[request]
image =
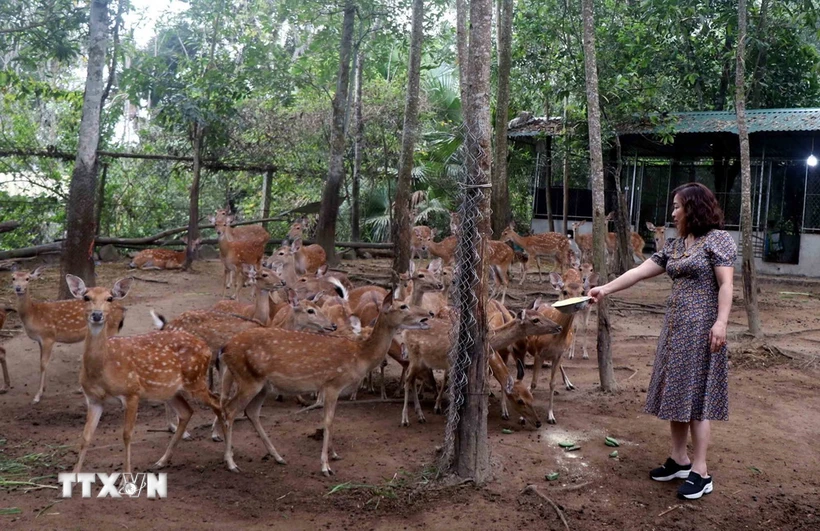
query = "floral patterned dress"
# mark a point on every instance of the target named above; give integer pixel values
(689, 382)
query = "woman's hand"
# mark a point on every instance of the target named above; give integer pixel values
(717, 336)
(598, 293)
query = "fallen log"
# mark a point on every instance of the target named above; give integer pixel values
(8, 226)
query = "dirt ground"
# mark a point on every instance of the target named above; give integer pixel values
(765, 459)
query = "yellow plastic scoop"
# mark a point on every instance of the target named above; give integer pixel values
(572, 305)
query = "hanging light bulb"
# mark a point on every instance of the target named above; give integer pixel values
(811, 161)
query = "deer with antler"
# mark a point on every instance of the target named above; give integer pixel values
(298, 363)
(550, 245)
(53, 322)
(164, 366)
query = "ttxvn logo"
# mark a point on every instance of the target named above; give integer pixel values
(116, 485)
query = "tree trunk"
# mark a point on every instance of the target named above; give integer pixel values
(98, 207)
(461, 48)
(355, 228)
(193, 205)
(329, 211)
(723, 88)
(749, 277)
(78, 247)
(623, 233)
(8, 226)
(266, 191)
(500, 191)
(401, 214)
(759, 71)
(596, 163)
(565, 171)
(471, 451)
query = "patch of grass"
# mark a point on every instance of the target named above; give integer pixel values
(18, 469)
(402, 481)
(10, 510)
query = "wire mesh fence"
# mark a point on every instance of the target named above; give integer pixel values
(465, 292)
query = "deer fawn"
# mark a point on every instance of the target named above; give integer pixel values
(428, 350)
(588, 280)
(237, 246)
(445, 249)
(55, 321)
(499, 258)
(6, 380)
(156, 366)
(296, 362)
(420, 237)
(161, 258)
(307, 258)
(549, 244)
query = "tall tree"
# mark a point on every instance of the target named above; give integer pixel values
(596, 166)
(749, 277)
(401, 216)
(358, 149)
(471, 458)
(329, 210)
(500, 192)
(78, 247)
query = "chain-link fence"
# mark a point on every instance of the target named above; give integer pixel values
(465, 291)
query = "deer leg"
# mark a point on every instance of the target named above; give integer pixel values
(567, 383)
(6, 380)
(536, 368)
(131, 404)
(381, 370)
(92, 418)
(331, 397)
(402, 380)
(505, 413)
(45, 355)
(538, 265)
(554, 369)
(183, 412)
(523, 273)
(237, 403)
(252, 410)
(172, 417)
(218, 425)
(415, 383)
(409, 379)
(440, 395)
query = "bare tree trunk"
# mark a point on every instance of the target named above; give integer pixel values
(198, 135)
(355, 223)
(596, 163)
(749, 277)
(78, 247)
(401, 207)
(329, 210)
(461, 48)
(267, 183)
(100, 204)
(759, 71)
(623, 260)
(471, 457)
(500, 191)
(566, 170)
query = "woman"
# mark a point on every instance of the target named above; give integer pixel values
(689, 385)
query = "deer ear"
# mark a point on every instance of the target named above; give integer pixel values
(212, 220)
(412, 268)
(122, 287)
(521, 315)
(519, 365)
(322, 271)
(317, 297)
(536, 303)
(556, 280)
(509, 385)
(435, 265)
(296, 245)
(388, 301)
(292, 299)
(37, 272)
(76, 286)
(355, 324)
(592, 281)
(650, 225)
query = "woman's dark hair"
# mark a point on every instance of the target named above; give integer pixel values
(701, 211)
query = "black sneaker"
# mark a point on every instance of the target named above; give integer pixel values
(695, 487)
(670, 470)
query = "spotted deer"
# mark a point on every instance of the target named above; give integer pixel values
(420, 236)
(255, 357)
(6, 380)
(161, 258)
(166, 366)
(307, 258)
(551, 245)
(237, 246)
(636, 241)
(428, 350)
(445, 249)
(284, 260)
(265, 282)
(499, 259)
(53, 322)
(589, 279)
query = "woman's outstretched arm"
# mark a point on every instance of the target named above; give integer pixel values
(648, 269)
